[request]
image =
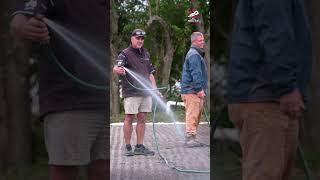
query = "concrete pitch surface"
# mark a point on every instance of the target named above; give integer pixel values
(172, 148)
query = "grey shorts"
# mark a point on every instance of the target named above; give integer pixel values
(75, 138)
(134, 105)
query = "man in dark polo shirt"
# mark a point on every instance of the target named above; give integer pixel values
(269, 71)
(75, 116)
(136, 101)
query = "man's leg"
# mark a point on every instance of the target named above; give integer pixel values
(98, 170)
(144, 108)
(127, 128)
(290, 150)
(63, 172)
(131, 107)
(193, 111)
(59, 130)
(140, 149)
(141, 126)
(99, 167)
(200, 113)
(263, 128)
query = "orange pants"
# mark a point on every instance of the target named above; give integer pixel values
(194, 106)
(268, 139)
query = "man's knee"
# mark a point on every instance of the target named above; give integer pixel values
(141, 118)
(63, 172)
(64, 168)
(100, 165)
(129, 118)
(99, 169)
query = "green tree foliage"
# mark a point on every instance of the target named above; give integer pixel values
(135, 14)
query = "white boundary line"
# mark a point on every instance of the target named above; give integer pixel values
(158, 123)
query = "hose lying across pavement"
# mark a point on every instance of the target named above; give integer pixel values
(51, 55)
(89, 85)
(163, 158)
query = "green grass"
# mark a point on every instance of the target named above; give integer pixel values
(162, 117)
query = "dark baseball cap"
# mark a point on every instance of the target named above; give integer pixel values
(138, 33)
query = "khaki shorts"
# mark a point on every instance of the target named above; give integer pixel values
(134, 105)
(75, 138)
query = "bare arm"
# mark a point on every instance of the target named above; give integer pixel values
(154, 84)
(153, 81)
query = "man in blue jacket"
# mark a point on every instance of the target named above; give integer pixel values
(194, 85)
(269, 71)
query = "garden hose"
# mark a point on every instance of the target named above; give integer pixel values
(305, 164)
(156, 141)
(205, 112)
(163, 158)
(157, 144)
(52, 57)
(142, 89)
(206, 116)
(104, 88)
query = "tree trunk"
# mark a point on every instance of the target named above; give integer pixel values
(18, 102)
(114, 93)
(169, 50)
(15, 123)
(158, 7)
(3, 107)
(3, 110)
(312, 122)
(149, 8)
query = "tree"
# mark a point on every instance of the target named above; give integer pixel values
(168, 37)
(169, 50)
(15, 115)
(114, 93)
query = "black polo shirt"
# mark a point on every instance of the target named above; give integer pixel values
(79, 37)
(138, 61)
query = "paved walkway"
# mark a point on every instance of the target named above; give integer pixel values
(171, 147)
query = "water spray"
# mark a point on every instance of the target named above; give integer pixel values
(146, 86)
(141, 81)
(39, 15)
